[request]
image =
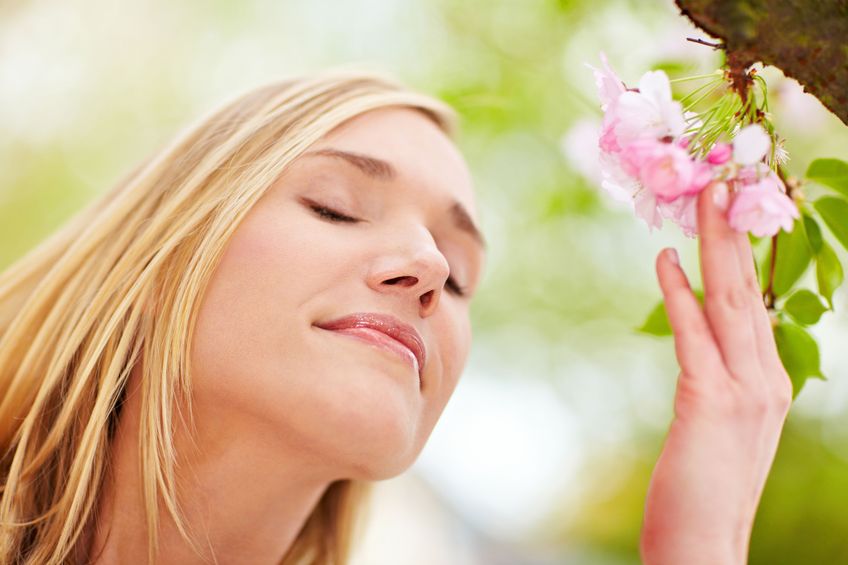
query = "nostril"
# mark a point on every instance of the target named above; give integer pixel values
(405, 280)
(426, 298)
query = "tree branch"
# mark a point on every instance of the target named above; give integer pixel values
(807, 40)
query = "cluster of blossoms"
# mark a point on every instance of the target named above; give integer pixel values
(645, 160)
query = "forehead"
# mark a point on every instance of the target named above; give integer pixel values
(414, 145)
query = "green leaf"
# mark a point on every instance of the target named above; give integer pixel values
(805, 307)
(813, 231)
(799, 354)
(829, 273)
(831, 173)
(834, 212)
(793, 256)
(657, 321)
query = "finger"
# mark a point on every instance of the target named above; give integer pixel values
(729, 298)
(763, 332)
(694, 343)
(773, 375)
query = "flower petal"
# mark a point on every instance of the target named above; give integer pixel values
(751, 144)
(655, 86)
(608, 83)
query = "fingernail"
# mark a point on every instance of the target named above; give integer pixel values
(720, 196)
(673, 257)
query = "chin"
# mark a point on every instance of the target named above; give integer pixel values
(388, 466)
(375, 432)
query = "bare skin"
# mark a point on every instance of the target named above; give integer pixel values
(733, 395)
(284, 408)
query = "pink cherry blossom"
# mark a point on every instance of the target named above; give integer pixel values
(650, 112)
(645, 160)
(762, 207)
(624, 188)
(643, 154)
(615, 180)
(683, 211)
(608, 142)
(720, 154)
(645, 206)
(608, 83)
(752, 174)
(666, 169)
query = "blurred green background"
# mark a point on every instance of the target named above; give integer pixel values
(544, 453)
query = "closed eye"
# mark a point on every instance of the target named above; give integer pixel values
(331, 214)
(334, 216)
(454, 287)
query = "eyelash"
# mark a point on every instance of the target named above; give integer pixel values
(459, 290)
(334, 216)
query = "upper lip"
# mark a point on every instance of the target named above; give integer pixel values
(387, 324)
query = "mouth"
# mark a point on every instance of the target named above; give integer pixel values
(385, 332)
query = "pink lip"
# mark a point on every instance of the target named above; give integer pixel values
(399, 333)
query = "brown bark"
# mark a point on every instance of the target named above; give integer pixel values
(806, 39)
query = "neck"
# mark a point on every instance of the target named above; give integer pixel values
(242, 500)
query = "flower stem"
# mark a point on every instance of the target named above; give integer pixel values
(769, 296)
(714, 85)
(695, 77)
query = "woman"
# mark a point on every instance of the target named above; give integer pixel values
(213, 361)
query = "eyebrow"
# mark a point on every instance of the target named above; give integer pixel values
(383, 170)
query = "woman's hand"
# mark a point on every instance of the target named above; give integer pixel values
(732, 398)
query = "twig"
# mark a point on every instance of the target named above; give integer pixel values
(769, 295)
(707, 43)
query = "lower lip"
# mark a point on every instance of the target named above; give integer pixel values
(382, 341)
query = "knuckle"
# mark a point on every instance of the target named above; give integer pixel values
(737, 297)
(760, 403)
(751, 401)
(783, 403)
(783, 395)
(752, 287)
(759, 406)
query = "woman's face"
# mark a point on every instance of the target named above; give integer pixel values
(263, 366)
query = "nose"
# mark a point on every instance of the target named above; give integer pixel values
(416, 271)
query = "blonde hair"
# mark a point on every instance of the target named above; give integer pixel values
(121, 282)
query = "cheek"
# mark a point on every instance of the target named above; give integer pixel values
(251, 326)
(461, 346)
(261, 369)
(276, 262)
(455, 345)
